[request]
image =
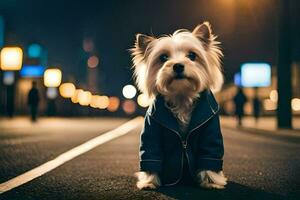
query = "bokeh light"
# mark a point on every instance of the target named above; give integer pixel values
(8, 78)
(34, 51)
(32, 71)
(143, 100)
(51, 92)
(84, 98)
(274, 95)
(129, 106)
(88, 45)
(11, 58)
(114, 103)
(93, 62)
(95, 101)
(296, 104)
(67, 90)
(75, 98)
(52, 77)
(104, 102)
(269, 105)
(129, 91)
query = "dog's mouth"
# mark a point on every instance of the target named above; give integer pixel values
(179, 76)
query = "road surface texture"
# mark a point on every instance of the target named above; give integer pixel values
(258, 167)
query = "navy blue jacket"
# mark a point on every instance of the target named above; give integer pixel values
(164, 147)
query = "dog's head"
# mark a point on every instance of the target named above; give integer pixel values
(184, 63)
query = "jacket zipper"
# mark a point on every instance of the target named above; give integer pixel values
(185, 142)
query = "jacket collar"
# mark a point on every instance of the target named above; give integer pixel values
(206, 106)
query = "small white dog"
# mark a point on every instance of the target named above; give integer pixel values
(181, 135)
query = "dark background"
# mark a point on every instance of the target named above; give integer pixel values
(247, 29)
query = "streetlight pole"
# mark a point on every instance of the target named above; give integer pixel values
(284, 113)
(11, 60)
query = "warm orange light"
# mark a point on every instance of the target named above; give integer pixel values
(75, 98)
(104, 102)
(114, 103)
(93, 61)
(296, 104)
(11, 58)
(270, 105)
(52, 77)
(67, 90)
(129, 106)
(95, 101)
(274, 95)
(84, 98)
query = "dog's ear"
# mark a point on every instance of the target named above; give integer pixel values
(142, 41)
(203, 32)
(214, 54)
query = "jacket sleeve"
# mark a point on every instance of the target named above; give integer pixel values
(150, 146)
(210, 146)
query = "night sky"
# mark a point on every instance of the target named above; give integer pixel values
(246, 28)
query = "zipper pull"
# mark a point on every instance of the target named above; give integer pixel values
(184, 144)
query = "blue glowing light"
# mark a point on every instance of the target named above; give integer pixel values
(32, 71)
(237, 79)
(256, 75)
(34, 51)
(8, 78)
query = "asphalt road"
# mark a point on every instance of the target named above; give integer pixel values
(258, 167)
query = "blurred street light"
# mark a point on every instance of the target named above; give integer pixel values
(103, 102)
(84, 98)
(8, 78)
(52, 77)
(114, 103)
(95, 101)
(67, 90)
(51, 92)
(274, 95)
(129, 91)
(129, 106)
(11, 58)
(143, 100)
(34, 50)
(93, 61)
(75, 98)
(269, 105)
(296, 104)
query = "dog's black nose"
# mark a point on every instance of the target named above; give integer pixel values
(178, 68)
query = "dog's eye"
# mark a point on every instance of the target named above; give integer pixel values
(192, 56)
(163, 58)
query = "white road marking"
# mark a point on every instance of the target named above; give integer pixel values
(69, 155)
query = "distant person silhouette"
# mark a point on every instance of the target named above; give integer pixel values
(239, 101)
(33, 101)
(256, 108)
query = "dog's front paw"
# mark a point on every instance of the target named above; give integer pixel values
(147, 180)
(212, 180)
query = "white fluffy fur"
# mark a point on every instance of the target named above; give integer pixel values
(207, 179)
(156, 77)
